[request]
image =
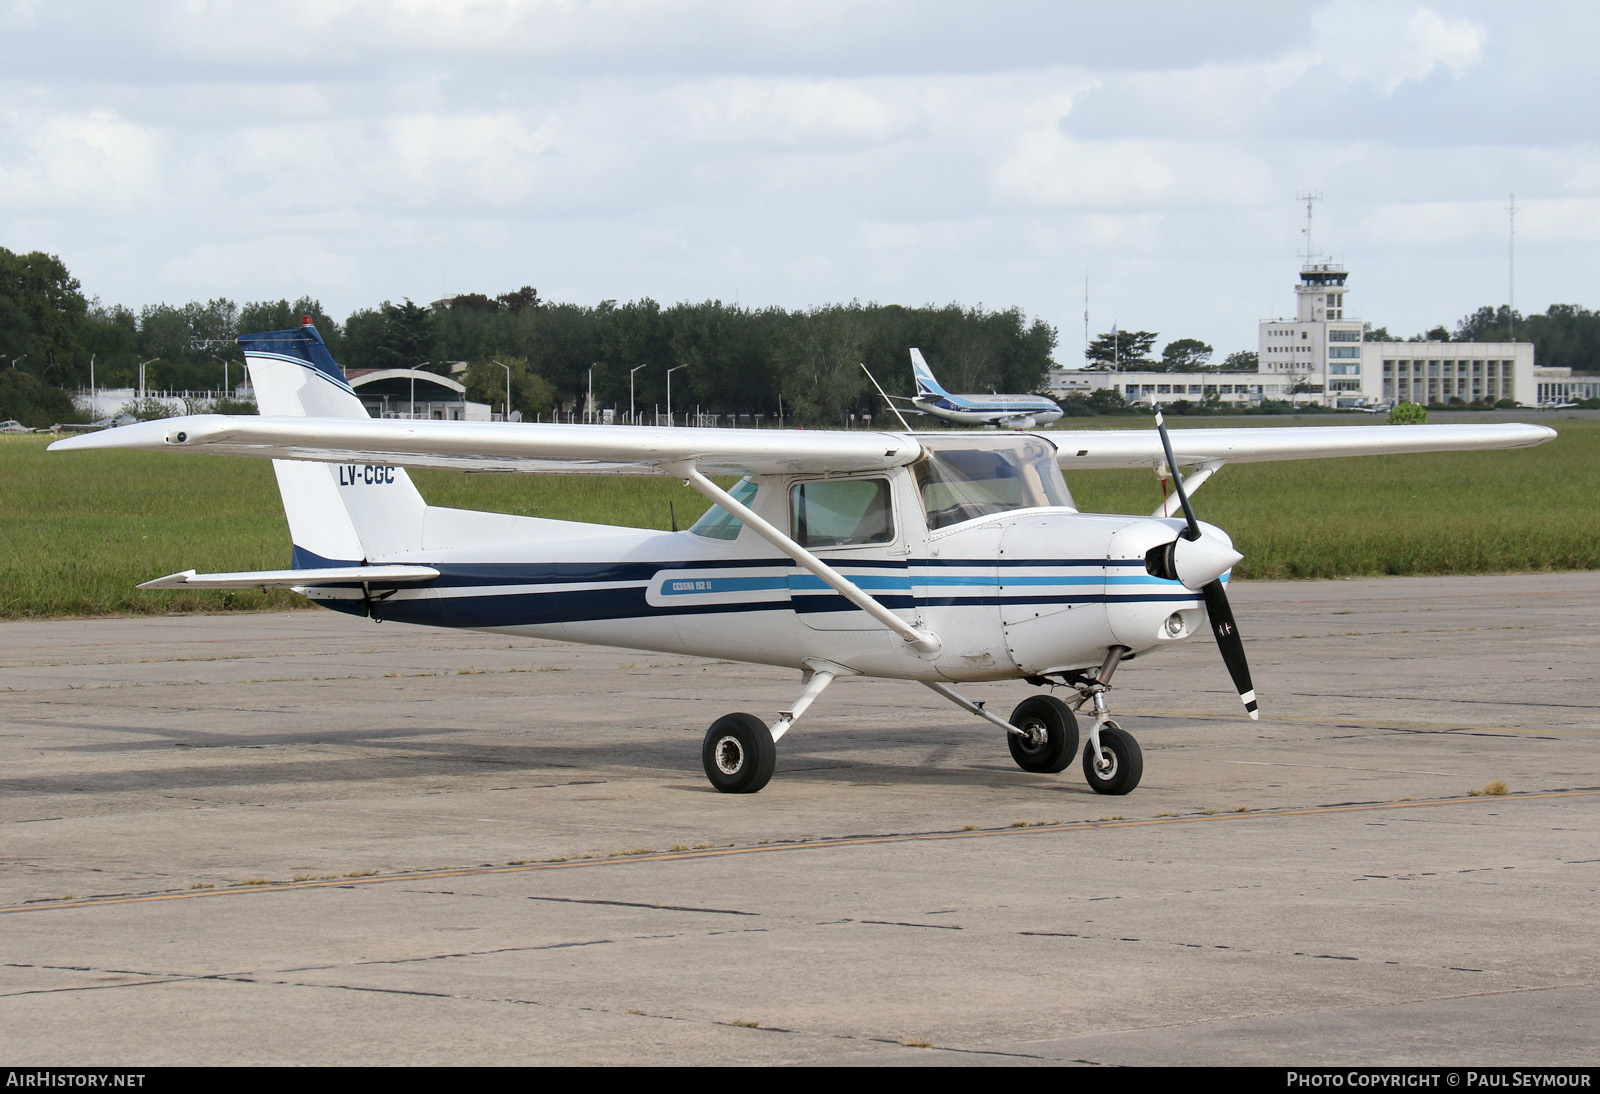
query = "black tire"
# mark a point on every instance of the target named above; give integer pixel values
(1050, 737)
(739, 754)
(1127, 763)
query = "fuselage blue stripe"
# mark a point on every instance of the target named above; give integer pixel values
(462, 574)
(993, 580)
(594, 605)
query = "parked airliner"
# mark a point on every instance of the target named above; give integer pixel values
(1010, 411)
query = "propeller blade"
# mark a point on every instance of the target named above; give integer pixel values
(1230, 644)
(1217, 610)
(1177, 480)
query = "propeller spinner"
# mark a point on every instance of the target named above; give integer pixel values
(1199, 562)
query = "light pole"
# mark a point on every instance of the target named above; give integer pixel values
(411, 414)
(224, 361)
(670, 371)
(152, 361)
(507, 367)
(633, 419)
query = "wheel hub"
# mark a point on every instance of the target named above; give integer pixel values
(729, 755)
(1033, 737)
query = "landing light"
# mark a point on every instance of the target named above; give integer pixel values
(1174, 625)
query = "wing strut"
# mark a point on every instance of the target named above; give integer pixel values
(922, 641)
(1171, 506)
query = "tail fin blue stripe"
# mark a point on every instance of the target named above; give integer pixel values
(301, 343)
(302, 559)
(926, 384)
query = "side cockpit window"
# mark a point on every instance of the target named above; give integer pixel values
(840, 512)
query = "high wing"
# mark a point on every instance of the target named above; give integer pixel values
(1142, 447)
(516, 447)
(644, 450)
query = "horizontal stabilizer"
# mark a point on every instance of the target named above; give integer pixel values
(288, 579)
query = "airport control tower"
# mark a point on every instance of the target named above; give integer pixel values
(1320, 348)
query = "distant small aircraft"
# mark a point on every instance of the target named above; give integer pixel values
(1548, 404)
(90, 427)
(937, 558)
(1009, 411)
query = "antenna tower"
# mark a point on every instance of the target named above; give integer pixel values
(1511, 269)
(1309, 197)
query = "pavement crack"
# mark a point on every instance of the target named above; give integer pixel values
(899, 923)
(643, 904)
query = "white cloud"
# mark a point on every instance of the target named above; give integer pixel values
(93, 162)
(793, 152)
(1384, 46)
(1052, 169)
(749, 112)
(283, 265)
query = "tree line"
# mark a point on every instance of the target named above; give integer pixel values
(726, 359)
(1129, 351)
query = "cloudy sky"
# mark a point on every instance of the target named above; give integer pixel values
(797, 154)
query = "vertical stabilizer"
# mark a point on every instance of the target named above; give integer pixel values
(927, 386)
(338, 512)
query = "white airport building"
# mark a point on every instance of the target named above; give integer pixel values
(1322, 355)
(415, 393)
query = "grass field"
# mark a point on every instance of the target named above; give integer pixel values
(79, 530)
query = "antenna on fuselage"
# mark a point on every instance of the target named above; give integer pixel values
(888, 402)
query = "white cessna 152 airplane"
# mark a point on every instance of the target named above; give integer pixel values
(1010, 411)
(936, 558)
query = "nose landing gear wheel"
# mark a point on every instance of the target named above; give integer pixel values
(738, 754)
(1124, 762)
(1049, 737)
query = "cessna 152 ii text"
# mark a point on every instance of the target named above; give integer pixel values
(1010, 411)
(936, 558)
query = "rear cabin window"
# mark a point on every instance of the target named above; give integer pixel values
(839, 512)
(958, 482)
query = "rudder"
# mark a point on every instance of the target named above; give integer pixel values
(338, 513)
(926, 384)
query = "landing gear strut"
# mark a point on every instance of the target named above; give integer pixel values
(740, 752)
(1043, 731)
(1120, 764)
(1112, 761)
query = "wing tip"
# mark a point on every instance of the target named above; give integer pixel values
(171, 581)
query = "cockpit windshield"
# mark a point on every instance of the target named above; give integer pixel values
(960, 481)
(717, 522)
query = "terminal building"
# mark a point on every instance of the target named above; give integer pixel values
(1325, 351)
(1322, 355)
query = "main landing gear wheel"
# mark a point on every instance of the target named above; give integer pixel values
(739, 754)
(1123, 766)
(1049, 737)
